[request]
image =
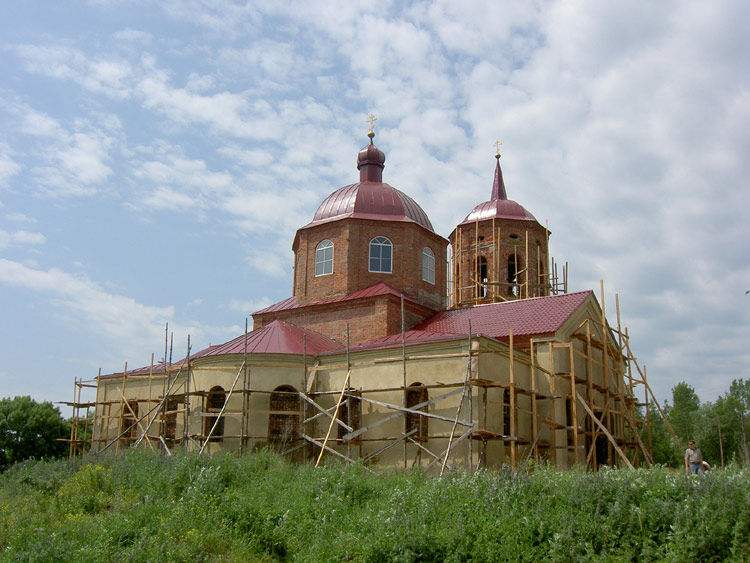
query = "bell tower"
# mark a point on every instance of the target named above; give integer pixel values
(499, 251)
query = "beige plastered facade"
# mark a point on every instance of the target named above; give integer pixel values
(489, 404)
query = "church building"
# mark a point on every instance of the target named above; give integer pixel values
(398, 347)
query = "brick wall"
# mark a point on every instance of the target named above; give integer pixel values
(496, 241)
(368, 318)
(351, 239)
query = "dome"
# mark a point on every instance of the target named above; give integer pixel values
(499, 206)
(499, 209)
(370, 198)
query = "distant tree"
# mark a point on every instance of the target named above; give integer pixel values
(738, 409)
(684, 414)
(664, 449)
(30, 430)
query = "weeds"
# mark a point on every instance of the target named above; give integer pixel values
(145, 507)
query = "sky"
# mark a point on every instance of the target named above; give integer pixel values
(156, 158)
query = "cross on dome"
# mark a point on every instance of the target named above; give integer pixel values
(371, 118)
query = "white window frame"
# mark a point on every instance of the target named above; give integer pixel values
(324, 258)
(381, 242)
(428, 265)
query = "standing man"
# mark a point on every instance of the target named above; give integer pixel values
(693, 459)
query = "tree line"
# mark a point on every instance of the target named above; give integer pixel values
(720, 428)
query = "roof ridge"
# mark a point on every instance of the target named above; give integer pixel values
(536, 298)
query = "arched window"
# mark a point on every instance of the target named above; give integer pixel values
(214, 404)
(482, 276)
(324, 258)
(283, 422)
(428, 265)
(513, 275)
(381, 254)
(416, 394)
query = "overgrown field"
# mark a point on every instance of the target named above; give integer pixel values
(148, 507)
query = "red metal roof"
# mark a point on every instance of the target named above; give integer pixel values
(370, 200)
(276, 337)
(537, 315)
(499, 208)
(373, 290)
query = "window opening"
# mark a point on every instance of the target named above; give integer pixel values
(482, 276)
(352, 417)
(417, 393)
(214, 404)
(283, 422)
(169, 424)
(128, 422)
(506, 412)
(513, 275)
(324, 258)
(428, 265)
(381, 253)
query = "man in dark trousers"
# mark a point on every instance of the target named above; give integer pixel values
(693, 459)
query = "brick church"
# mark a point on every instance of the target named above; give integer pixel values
(398, 347)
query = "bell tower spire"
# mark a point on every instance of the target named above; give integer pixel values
(498, 186)
(500, 251)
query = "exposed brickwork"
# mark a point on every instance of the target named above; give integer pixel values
(368, 318)
(474, 242)
(351, 239)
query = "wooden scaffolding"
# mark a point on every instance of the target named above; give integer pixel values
(588, 421)
(550, 279)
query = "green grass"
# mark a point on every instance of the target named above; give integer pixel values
(149, 507)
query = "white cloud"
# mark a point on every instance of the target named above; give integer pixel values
(8, 169)
(19, 218)
(129, 326)
(19, 238)
(70, 160)
(109, 76)
(133, 35)
(625, 125)
(224, 18)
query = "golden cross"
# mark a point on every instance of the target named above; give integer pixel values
(371, 118)
(497, 148)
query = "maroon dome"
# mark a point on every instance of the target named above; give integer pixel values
(499, 206)
(371, 200)
(500, 209)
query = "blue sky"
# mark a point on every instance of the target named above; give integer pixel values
(157, 157)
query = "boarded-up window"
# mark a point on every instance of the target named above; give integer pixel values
(214, 404)
(506, 412)
(416, 394)
(283, 422)
(169, 424)
(128, 421)
(350, 412)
